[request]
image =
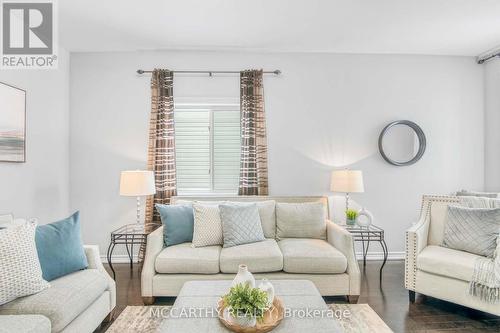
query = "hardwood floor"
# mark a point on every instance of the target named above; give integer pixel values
(389, 299)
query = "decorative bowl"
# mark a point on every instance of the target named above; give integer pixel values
(272, 318)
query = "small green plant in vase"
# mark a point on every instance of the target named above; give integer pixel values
(351, 216)
(245, 305)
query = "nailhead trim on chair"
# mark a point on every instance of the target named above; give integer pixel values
(426, 206)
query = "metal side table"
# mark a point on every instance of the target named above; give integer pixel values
(129, 235)
(365, 235)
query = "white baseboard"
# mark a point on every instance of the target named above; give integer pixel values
(119, 259)
(380, 256)
(123, 258)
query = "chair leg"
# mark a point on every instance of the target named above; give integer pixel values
(411, 295)
(353, 299)
(148, 300)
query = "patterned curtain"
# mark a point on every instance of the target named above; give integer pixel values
(253, 160)
(161, 149)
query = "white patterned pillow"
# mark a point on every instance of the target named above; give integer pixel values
(20, 271)
(207, 228)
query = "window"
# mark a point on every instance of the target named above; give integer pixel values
(207, 145)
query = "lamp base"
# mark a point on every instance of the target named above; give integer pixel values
(138, 211)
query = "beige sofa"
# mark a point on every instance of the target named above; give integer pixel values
(434, 270)
(77, 302)
(330, 264)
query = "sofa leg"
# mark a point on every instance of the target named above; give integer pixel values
(353, 299)
(411, 295)
(109, 317)
(148, 300)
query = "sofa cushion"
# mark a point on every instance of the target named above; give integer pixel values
(466, 193)
(65, 300)
(300, 220)
(184, 258)
(260, 257)
(305, 255)
(447, 262)
(25, 324)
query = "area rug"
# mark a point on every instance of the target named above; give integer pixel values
(362, 319)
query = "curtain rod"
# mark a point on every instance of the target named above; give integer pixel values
(210, 73)
(482, 60)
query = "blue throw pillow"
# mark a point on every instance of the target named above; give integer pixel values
(178, 222)
(60, 248)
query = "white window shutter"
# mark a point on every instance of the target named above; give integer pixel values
(207, 148)
(226, 151)
(192, 150)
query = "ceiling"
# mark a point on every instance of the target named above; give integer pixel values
(435, 27)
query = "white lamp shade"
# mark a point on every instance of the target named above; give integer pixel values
(137, 183)
(347, 181)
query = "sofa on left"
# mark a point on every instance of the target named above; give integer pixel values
(64, 286)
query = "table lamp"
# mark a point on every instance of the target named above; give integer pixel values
(347, 181)
(137, 183)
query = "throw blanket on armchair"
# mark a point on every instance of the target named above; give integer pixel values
(485, 282)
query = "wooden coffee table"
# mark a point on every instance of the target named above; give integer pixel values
(300, 297)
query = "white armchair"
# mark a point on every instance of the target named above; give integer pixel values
(437, 271)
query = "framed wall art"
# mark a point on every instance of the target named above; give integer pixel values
(12, 124)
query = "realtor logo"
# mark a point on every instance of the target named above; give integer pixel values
(28, 31)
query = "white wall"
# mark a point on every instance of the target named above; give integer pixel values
(492, 121)
(325, 111)
(40, 187)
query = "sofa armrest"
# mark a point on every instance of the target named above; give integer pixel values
(154, 245)
(25, 324)
(416, 241)
(94, 261)
(342, 240)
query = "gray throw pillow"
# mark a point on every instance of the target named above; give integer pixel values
(465, 193)
(300, 220)
(473, 230)
(240, 224)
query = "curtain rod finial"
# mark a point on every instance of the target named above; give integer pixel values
(140, 71)
(277, 72)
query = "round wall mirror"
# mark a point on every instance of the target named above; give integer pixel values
(402, 143)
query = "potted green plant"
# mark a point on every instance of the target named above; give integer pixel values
(244, 305)
(351, 216)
